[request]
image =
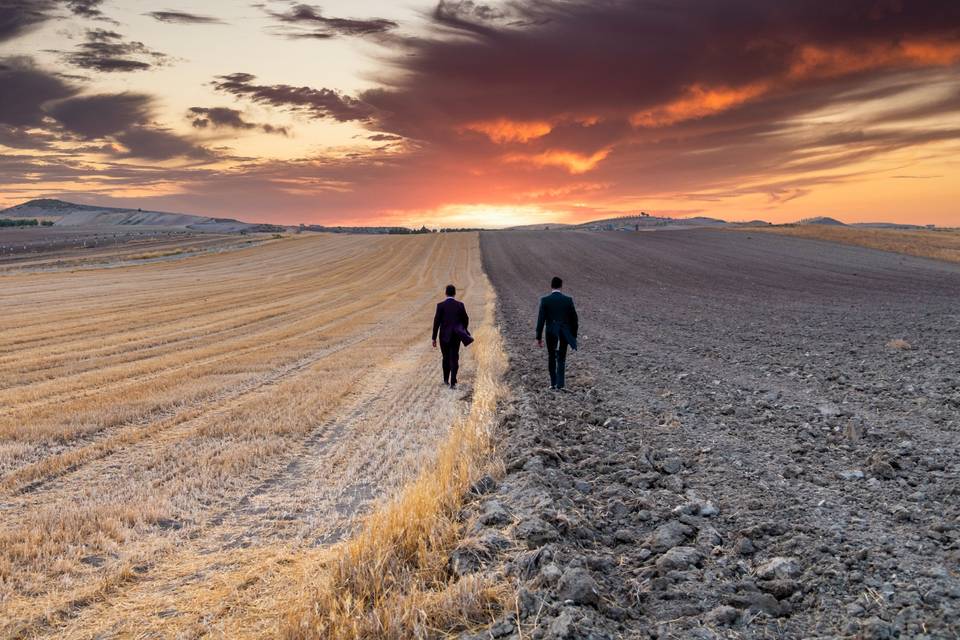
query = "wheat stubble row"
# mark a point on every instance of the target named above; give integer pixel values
(145, 409)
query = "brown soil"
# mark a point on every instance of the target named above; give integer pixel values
(741, 452)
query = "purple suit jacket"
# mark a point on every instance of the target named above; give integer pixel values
(451, 321)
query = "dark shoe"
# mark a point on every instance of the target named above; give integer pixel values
(453, 385)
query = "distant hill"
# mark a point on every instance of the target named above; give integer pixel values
(890, 225)
(646, 222)
(753, 223)
(637, 222)
(539, 226)
(69, 214)
(822, 220)
(628, 223)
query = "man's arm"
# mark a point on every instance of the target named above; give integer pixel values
(572, 319)
(465, 319)
(540, 321)
(436, 324)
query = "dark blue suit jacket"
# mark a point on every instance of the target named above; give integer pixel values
(451, 321)
(558, 316)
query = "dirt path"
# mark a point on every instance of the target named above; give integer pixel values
(743, 452)
(291, 436)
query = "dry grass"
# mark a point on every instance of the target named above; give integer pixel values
(391, 581)
(61, 253)
(153, 255)
(179, 440)
(939, 244)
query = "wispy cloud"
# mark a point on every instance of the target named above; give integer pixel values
(108, 52)
(226, 118)
(182, 17)
(85, 8)
(319, 103)
(305, 21)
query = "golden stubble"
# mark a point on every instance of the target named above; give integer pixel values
(182, 442)
(941, 244)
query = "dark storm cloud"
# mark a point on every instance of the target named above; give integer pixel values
(614, 58)
(20, 138)
(106, 51)
(319, 103)
(59, 115)
(182, 17)
(650, 97)
(223, 117)
(160, 144)
(17, 17)
(26, 89)
(96, 116)
(305, 21)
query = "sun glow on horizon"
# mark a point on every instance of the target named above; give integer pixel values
(492, 216)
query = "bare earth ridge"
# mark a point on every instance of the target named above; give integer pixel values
(759, 440)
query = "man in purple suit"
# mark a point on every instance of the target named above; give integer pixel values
(451, 323)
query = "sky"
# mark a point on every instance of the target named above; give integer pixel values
(469, 113)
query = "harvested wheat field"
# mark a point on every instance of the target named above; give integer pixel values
(71, 248)
(940, 244)
(181, 441)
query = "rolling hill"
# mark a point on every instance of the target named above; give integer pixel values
(69, 214)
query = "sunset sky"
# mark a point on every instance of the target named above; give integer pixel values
(485, 113)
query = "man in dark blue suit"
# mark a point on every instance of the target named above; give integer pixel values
(451, 323)
(559, 317)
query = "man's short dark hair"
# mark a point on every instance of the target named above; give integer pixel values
(556, 283)
(451, 290)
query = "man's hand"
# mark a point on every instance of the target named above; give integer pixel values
(540, 343)
(434, 343)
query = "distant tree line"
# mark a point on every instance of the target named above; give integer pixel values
(376, 230)
(24, 222)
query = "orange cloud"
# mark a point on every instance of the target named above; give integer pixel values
(503, 130)
(810, 62)
(813, 61)
(573, 162)
(698, 102)
(932, 52)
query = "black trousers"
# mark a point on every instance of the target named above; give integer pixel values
(451, 359)
(556, 359)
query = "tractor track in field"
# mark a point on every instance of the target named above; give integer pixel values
(185, 420)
